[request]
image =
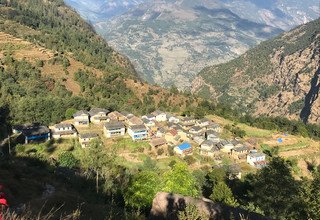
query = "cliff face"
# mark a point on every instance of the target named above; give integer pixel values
(279, 77)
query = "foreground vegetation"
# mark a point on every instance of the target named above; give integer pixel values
(96, 174)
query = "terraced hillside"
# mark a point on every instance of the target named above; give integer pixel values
(279, 77)
(51, 61)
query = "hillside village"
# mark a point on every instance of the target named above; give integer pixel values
(163, 131)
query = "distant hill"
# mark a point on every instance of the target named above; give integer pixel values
(169, 41)
(278, 77)
(100, 10)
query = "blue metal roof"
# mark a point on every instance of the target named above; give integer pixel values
(184, 146)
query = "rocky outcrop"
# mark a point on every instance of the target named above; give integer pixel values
(167, 205)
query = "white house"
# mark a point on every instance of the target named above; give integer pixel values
(81, 118)
(148, 123)
(199, 139)
(114, 129)
(214, 127)
(183, 149)
(196, 130)
(209, 149)
(204, 122)
(172, 118)
(240, 152)
(85, 139)
(226, 146)
(212, 136)
(149, 117)
(98, 115)
(256, 159)
(207, 145)
(187, 122)
(138, 132)
(64, 131)
(160, 116)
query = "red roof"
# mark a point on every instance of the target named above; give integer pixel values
(174, 132)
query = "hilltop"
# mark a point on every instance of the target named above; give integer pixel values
(279, 77)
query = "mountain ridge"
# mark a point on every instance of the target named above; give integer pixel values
(170, 42)
(273, 78)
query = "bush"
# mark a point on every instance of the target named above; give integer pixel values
(20, 148)
(172, 163)
(189, 159)
(160, 151)
(69, 112)
(170, 150)
(66, 159)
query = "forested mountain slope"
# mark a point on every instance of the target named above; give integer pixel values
(51, 61)
(278, 77)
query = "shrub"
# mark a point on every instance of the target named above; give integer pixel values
(170, 150)
(20, 148)
(160, 151)
(189, 159)
(66, 159)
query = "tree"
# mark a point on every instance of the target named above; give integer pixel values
(180, 180)
(212, 178)
(276, 192)
(69, 112)
(191, 212)
(96, 160)
(67, 159)
(222, 193)
(142, 189)
(311, 196)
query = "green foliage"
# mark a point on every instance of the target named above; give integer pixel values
(180, 180)
(67, 159)
(20, 148)
(275, 191)
(189, 159)
(160, 151)
(60, 60)
(266, 91)
(59, 28)
(311, 196)
(149, 165)
(40, 63)
(142, 189)
(69, 113)
(191, 212)
(222, 193)
(281, 124)
(296, 106)
(235, 130)
(270, 151)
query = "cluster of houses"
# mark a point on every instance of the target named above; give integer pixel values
(159, 128)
